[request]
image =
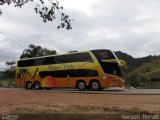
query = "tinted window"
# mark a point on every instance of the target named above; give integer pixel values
(26, 63)
(111, 68)
(108, 67)
(70, 72)
(103, 54)
(79, 57)
(39, 61)
(48, 60)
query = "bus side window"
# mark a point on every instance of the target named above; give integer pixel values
(26, 63)
(48, 60)
(39, 61)
(59, 59)
(81, 57)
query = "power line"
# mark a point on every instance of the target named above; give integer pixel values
(13, 41)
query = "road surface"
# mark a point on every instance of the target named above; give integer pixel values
(74, 102)
(105, 91)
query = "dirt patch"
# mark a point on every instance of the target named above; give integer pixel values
(76, 105)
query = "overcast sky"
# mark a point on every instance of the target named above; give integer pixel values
(131, 26)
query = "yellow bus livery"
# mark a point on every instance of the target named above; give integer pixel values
(92, 70)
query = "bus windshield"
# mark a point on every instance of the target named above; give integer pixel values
(108, 67)
(103, 54)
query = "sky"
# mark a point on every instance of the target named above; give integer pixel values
(131, 26)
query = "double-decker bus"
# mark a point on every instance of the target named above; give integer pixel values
(92, 70)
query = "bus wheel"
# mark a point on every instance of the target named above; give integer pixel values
(29, 85)
(37, 85)
(95, 85)
(81, 85)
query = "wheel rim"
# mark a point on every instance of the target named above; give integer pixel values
(81, 85)
(95, 85)
(37, 86)
(29, 85)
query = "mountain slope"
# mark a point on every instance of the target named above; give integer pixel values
(152, 69)
(134, 63)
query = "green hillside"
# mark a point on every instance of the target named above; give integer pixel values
(134, 63)
(142, 72)
(146, 76)
(152, 69)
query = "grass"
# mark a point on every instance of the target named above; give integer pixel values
(126, 111)
(5, 83)
(77, 112)
(154, 70)
(80, 109)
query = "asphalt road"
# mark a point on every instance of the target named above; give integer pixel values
(113, 91)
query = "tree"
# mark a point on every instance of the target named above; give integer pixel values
(46, 10)
(36, 51)
(137, 80)
(11, 71)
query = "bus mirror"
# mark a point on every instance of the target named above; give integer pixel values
(123, 64)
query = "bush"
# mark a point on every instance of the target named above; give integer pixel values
(137, 80)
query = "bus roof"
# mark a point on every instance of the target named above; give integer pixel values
(62, 54)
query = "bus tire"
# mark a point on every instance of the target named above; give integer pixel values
(37, 85)
(29, 85)
(95, 85)
(81, 85)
